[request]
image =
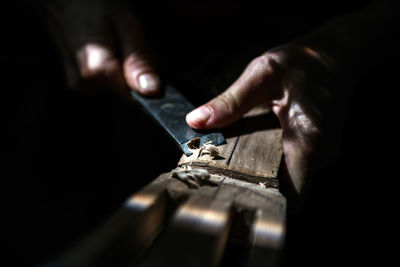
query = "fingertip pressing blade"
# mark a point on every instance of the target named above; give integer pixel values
(168, 111)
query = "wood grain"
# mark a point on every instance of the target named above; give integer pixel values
(179, 223)
(197, 234)
(208, 219)
(258, 155)
(254, 156)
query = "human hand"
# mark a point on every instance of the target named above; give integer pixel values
(298, 84)
(101, 42)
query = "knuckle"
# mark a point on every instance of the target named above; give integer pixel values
(261, 62)
(229, 102)
(135, 59)
(95, 60)
(137, 64)
(106, 68)
(262, 68)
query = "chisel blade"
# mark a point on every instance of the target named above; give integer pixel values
(168, 110)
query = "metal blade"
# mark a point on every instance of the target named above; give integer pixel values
(168, 110)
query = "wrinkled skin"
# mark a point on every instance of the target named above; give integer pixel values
(297, 83)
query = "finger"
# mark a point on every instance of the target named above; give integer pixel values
(138, 70)
(140, 75)
(98, 63)
(93, 38)
(85, 40)
(257, 84)
(95, 60)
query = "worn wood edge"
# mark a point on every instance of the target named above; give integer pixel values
(125, 235)
(207, 160)
(265, 200)
(235, 173)
(178, 186)
(267, 197)
(201, 224)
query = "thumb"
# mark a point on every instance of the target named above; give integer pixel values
(257, 84)
(219, 112)
(139, 72)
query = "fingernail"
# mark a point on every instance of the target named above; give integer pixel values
(149, 83)
(199, 115)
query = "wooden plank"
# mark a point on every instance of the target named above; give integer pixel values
(198, 231)
(125, 235)
(239, 203)
(252, 169)
(253, 156)
(202, 226)
(203, 220)
(258, 156)
(268, 227)
(129, 232)
(207, 162)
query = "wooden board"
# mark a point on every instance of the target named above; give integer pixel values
(243, 206)
(189, 221)
(253, 156)
(212, 216)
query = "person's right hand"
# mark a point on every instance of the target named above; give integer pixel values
(299, 85)
(101, 43)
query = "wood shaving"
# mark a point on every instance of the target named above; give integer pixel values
(194, 143)
(211, 149)
(194, 147)
(207, 148)
(193, 178)
(185, 167)
(192, 174)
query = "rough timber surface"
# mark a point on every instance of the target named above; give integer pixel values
(181, 219)
(226, 210)
(252, 154)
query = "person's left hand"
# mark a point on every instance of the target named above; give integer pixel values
(101, 43)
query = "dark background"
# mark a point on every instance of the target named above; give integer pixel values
(70, 159)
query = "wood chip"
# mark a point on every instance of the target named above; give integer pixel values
(193, 178)
(211, 149)
(192, 174)
(194, 143)
(207, 148)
